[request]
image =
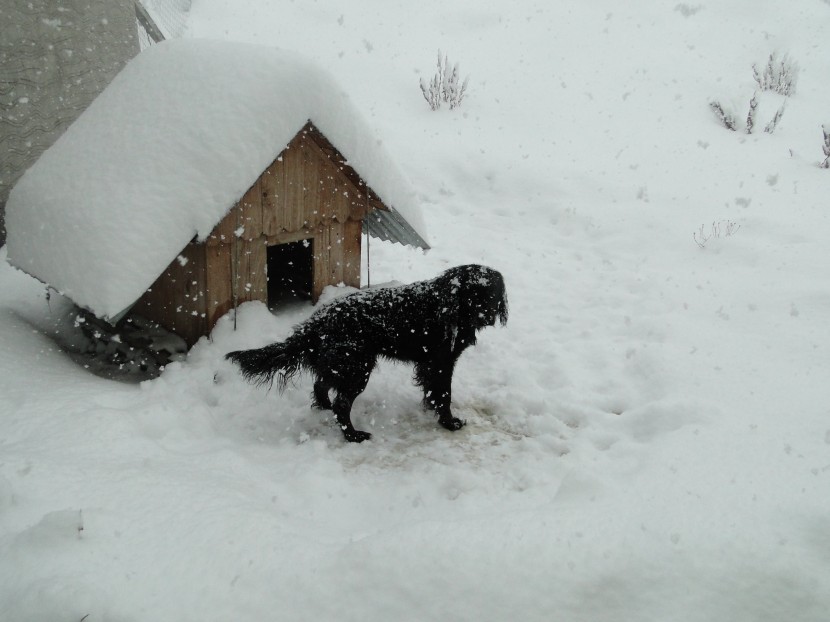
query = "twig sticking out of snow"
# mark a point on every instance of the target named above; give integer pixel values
(722, 228)
(750, 116)
(432, 93)
(770, 127)
(444, 86)
(726, 118)
(825, 129)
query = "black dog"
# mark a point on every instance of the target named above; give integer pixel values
(429, 323)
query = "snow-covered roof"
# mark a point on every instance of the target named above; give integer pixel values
(162, 155)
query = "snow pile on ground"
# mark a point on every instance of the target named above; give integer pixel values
(649, 436)
(162, 155)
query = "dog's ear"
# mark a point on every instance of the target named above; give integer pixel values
(497, 294)
(502, 307)
(453, 288)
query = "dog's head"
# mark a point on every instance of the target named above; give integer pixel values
(482, 297)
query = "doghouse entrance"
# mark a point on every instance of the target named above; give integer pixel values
(289, 272)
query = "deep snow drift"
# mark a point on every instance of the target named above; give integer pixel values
(649, 436)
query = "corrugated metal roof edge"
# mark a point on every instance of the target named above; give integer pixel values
(390, 225)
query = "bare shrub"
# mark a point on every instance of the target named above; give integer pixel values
(779, 76)
(445, 86)
(825, 129)
(769, 128)
(719, 229)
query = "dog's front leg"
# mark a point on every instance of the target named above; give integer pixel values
(449, 421)
(436, 379)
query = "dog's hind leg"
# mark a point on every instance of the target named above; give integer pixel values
(342, 410)
(321, 395)
(345, 369)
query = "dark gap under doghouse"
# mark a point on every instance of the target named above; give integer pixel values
(289, 271)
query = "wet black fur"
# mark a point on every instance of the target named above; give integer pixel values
(429, 323)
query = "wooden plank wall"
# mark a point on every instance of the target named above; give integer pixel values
(236, 273)
(177, 299)
(236, 258)
(336, 256)
(300, 190)
(305, 193)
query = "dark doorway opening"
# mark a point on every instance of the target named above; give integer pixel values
(289, 273)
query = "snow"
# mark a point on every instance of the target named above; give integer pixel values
(649, 436)
(162, 155)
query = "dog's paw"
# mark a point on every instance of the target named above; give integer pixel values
(356, 436)
(451, 423)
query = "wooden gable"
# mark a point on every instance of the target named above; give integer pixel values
(308, 192)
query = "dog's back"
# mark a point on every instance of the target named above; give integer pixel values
(392, 321)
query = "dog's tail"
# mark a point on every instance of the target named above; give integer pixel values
(262, 365)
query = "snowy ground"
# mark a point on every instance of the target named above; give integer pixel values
(647, 439)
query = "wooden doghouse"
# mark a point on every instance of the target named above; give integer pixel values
(196, 182)
(296, 230)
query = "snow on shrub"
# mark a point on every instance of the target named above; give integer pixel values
(444, 86)
(778, 76)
